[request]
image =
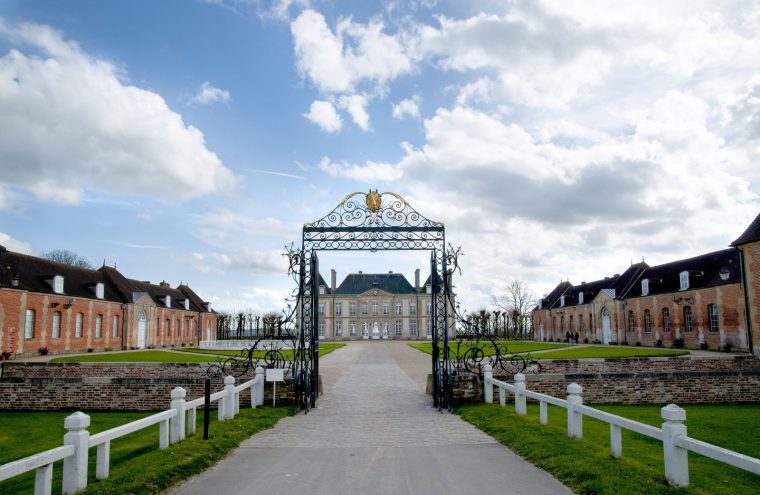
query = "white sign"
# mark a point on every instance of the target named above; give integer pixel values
(275, 375)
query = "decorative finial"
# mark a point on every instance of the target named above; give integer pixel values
(373, 201)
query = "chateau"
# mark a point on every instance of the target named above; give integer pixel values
(62, 308)
(711, 300)
(375, 306)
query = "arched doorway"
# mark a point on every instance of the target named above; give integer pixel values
(142, 329)
(606, 330)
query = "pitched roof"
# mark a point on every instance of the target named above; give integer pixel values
(551, 298)
(35, 273)
(357, 283)
(589, 290)
(129, 288)
(704, 271)
(628, 279)
(195, 299)
(751, 234)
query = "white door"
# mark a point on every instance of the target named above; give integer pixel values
(606, 332)
(386, 330)
(142, 330)
(375, 331)
(365, 330)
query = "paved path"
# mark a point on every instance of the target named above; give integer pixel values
(373, 432)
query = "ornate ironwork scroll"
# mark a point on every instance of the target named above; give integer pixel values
(267, 351)
(369, 221)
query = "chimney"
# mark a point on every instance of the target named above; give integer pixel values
(333, 277)
(417, 278)
(165, 284)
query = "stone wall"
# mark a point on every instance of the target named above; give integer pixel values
(638, 381)
(111, 386)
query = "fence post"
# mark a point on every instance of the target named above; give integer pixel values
(43, 480)
(676, 458)
(178, 422)
(75, 466)
(521, 408)
(488, 386)
(616, 441)
(260, 385)
(229, 397)
(543, 413)
(192, 420)
(574, 417)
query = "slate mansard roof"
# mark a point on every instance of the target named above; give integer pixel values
(751, 234)
(358, 283)
(36, 274)
(704, 271)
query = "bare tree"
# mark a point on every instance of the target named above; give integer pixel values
(517, 303)
(68, 258)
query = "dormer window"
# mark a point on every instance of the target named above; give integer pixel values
(187, 304)
(645, 287)
(724, 273)
(562, 301)
(429, 289)
(99, 290)
(168, 301)
(580, 298)
(58, 284)
(684, 276)
(540, 304)
(321, 290)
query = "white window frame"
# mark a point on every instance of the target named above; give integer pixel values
(58, 284)
(352, 309)
(321, 290)
(413, 328)
(168, 301)
(561, 301)
(647, 321)
(321, 328)
(645, 287)
(375, 308)
(115, 326)
(338, 328)
(712, 313)
(365, 308)
(386, 308)
(98, 326)
(580, 298)
(338, 308)
(428, 307)
(665, 320)
(321, 309)
(688, 320)
(99, 290)
(413, 308)
(399, 328)
(684, 280)
(29, 324)
(78, 322)
(352, 329)
(56, 325)
(187, 304)
(429, 324)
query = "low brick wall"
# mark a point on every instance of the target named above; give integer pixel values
(111, 386)
(638, 381)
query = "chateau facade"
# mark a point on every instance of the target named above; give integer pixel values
(374, 306)
(711, 300)
(61, 308)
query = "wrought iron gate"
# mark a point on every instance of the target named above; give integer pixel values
(370, 222)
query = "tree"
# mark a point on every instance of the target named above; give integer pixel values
(68, 258)
(517, 303)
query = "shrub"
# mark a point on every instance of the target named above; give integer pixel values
(625, 342)
(585, 341)
(728, 346)
(638, 343)
(6, 355)
(658, 343)
(679, 343)
(703, 345)
(43, 351)
(108, 349)
(613, 343)
(90, 349)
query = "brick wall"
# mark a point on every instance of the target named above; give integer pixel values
(751, 258)
(639, 381)
(110, 386)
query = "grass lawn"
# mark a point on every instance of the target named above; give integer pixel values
(608, 352)
(513, 346)
(587, 468)
(324, 348)
(151, 356)
(138, 466)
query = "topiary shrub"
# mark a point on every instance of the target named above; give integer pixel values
(679, 343)
(658, 343)
(728, 346)
(90, 349)
(43, 351)
(703, 345)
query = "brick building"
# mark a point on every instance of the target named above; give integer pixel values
(62, 308)
(702, 300)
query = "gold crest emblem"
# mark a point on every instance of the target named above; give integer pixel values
(373, 201)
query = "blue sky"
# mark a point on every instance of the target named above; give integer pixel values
(190, 140)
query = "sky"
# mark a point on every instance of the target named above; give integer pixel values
(189, 141)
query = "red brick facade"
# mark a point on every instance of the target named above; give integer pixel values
(751, 262)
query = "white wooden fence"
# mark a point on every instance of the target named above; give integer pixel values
(675, 442)
(172, 429)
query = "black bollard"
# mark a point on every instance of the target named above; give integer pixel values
(206, 408)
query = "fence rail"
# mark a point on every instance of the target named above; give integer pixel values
(173, 422)
(673, 434)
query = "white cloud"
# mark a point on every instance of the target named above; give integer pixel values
(208, 94)
(336, 61)
(222, 226)
(355, 105)
(14, 244)
(70, 123)
(408, 107)
(323, 114)
(256, 262)
(247, 298)
(370, 172)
